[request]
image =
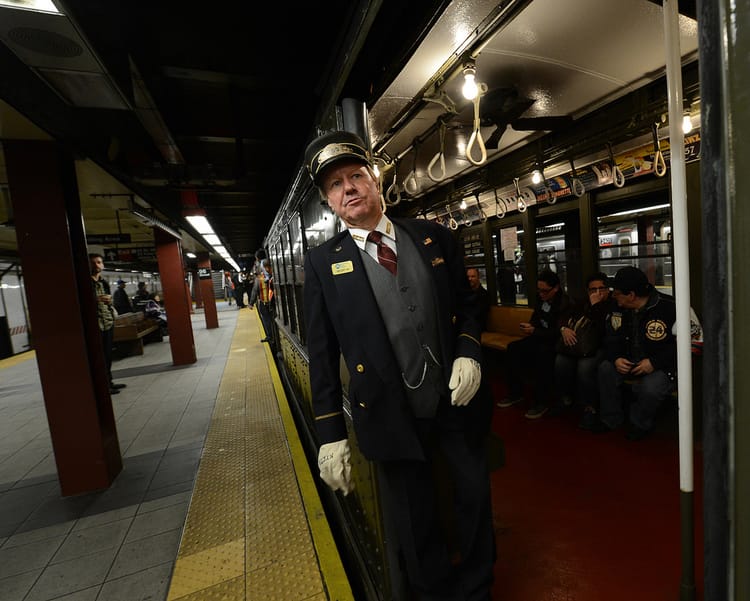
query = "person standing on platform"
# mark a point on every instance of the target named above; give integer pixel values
(228, 288)
(392, 296)
(105, 315)
(262, 296)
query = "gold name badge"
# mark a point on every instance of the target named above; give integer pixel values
(343, 267)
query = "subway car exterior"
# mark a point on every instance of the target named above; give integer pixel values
(607, 197)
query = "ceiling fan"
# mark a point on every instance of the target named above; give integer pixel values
(504, 106)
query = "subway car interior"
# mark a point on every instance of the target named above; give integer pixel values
(577, 137)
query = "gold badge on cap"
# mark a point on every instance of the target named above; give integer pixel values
(333, 150)
(343, 267)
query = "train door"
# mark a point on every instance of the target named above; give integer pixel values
(637, 234)
(14, 328)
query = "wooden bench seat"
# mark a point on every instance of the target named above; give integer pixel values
(130, 331)
(503, 326)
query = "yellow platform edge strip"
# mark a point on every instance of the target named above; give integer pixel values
(332, 570)
(16, 359)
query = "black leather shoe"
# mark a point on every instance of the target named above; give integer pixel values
(114, 386)
(114, 391)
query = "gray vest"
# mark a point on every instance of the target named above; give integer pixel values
(408, 311)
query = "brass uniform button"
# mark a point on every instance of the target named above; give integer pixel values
(360, 368)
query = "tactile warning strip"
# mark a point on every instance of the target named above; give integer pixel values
(254, 529)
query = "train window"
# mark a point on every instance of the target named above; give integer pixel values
(511, 266)
(641, 237)
(320, 222)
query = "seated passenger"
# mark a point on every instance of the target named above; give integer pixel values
(640, 350)
(120, 299)
(483, 297)
(579, 351)
(536, 352)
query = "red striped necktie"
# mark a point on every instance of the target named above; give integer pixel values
(386, 256)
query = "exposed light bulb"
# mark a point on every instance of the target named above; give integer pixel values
(376, 170)
(536, 177)
(470, 89)
(687, 124)
(463, 205)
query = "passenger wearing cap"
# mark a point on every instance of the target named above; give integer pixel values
(121, 300)
(401, 312)
(640, 351)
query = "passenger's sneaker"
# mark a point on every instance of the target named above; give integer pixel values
(589, 419)
(536, 412)
(509, 401)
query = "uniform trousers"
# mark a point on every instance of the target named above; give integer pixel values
(446, 560)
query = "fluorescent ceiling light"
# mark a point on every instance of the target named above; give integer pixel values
(201, 224)
(643, 210)
(190, 255)
(212, 239)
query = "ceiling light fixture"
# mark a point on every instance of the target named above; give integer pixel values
(470, 88)
(536, 176)
(687, 123)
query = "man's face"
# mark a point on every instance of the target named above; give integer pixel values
(624, 301)
(473, 276)
(352, 194)
(97, 265)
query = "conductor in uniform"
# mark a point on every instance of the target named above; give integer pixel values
(392, 297)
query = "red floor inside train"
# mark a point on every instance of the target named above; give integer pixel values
(588, 517)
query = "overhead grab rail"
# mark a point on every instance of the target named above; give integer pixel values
(499, 206)
(618, 179)
(439, 157)
(476, 137)
(482, 214)
(411, 185)
(393, 189)
(520, 202)
(452, 223)
(576, 185)
(660, 165)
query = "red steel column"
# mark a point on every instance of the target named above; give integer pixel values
(176, 303)
(196, 289)
(206, 287)
(66, 336)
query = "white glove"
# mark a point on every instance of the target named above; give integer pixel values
(335, 469)
(465, 379)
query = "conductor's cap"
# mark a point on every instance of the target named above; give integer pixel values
(332, 147)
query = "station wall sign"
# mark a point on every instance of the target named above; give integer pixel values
(107, 238)
(129, 255)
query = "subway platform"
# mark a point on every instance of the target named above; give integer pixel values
(215, 499)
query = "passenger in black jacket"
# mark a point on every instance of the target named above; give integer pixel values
(536, 352)
(641, 350)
